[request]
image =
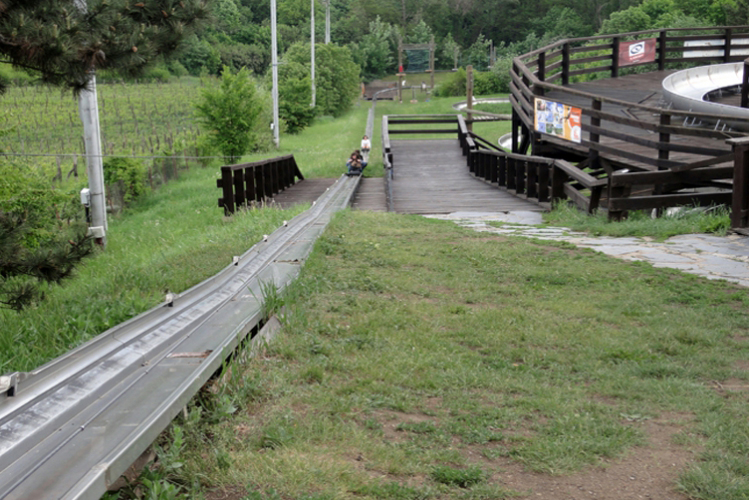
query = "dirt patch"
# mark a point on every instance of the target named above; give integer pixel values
(390, 421)
(649, 471)
(742, 365)
(227, 493)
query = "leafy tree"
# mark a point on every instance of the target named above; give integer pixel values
(199, 54)
(229, 113)
(477, 54)
(63, 44)
(295, 95)
(336, 75)
(42, 237)
(419, 33)
(632, 19)
(375, 53)
(448, 52)
(132, 175)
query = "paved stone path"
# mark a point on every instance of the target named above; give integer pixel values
(714, 257)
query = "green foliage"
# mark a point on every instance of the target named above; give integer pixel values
(454, 86)
(457, 477)
(295, 96)
(419, 33)
(375, 53)
(23, 266)
(477, 54)
(200, 55)
(63, 44)
(336, 76)
(132, 173)
(484, 83)
(632, 19)
(229, 113)
(714, 220)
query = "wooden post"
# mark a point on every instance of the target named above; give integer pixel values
(664, 138)
(249, 185)
(541, 70)
(615, 57)
(662, 51)
(727, 46)
(565, 64)
(469, 97)
(239, 192)
(259, 183)
(226, 187)
(740, 200)
(431, 62)
(515, 126)
(400, 70)
(745, 85)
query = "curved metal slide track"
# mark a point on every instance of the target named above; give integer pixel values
(689, 90)
(70, 428)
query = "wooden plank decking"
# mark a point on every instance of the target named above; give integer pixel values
(645, 89)
(431, 177)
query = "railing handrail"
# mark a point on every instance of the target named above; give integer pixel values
(265, 178)
(520, 62)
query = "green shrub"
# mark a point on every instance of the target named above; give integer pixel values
(26, 191)
(484, 83)
(131, 173)
(157, 74)
(457, 477)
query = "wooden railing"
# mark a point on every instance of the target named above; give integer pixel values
(536, 73)
(543, 180)
(643, 147)
(246, 183)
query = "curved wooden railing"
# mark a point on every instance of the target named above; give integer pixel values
(550, 68)
(613, 140)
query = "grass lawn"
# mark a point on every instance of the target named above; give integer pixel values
(419, 359)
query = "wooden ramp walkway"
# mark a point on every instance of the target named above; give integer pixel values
(431, 177)
(305, 191)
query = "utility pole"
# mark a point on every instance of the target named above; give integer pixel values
(312, 55)
(327, 22)
(89, 111)
(274, 64)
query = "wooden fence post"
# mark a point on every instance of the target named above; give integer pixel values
(745, 85)
(469, 97)
(541, 70)
(662, 51)
(226, 188)
(727, 45)
(565, 64)
(740, 200)
(615, 42)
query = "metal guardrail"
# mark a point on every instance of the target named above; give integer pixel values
(70, 428)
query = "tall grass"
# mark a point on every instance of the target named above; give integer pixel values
(687, 220)
(422, 360)
(174, 238)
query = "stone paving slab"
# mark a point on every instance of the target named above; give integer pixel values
(714, 257)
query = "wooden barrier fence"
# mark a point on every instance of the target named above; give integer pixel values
(255, 182)
(653, 157)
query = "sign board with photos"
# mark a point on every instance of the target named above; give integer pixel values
(557, 119)
(636, 52)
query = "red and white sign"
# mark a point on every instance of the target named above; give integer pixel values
(639, 51)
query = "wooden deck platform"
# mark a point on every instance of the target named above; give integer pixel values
(645, 89)
(431, 177)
